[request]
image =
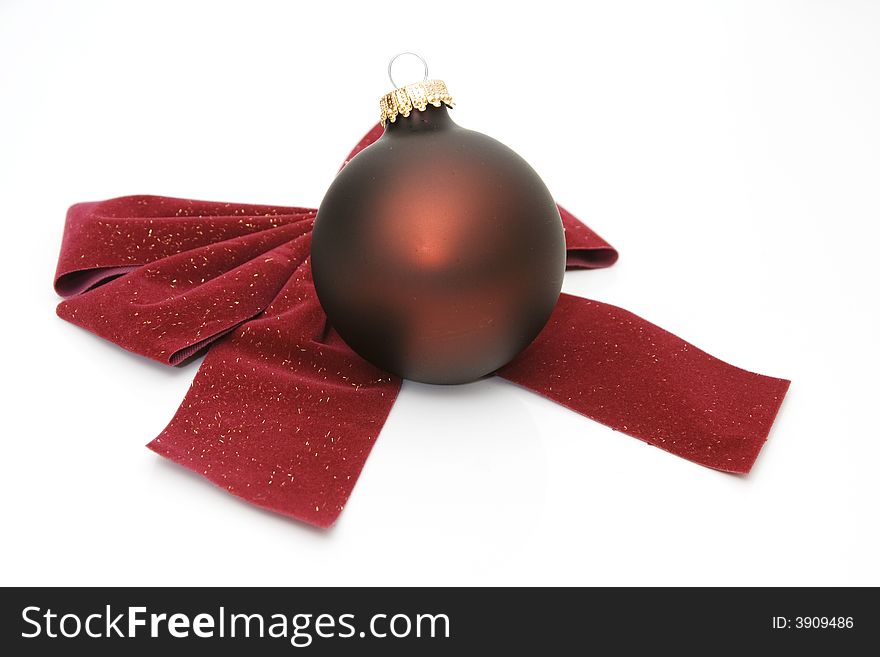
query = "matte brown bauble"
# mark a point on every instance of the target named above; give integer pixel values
(438, 253)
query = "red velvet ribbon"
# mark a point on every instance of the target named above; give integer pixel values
(283, 414)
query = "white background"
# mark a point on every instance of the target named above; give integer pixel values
(730, 151)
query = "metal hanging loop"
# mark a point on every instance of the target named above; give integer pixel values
(401, 54)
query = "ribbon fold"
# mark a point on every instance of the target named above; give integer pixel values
(283, 414)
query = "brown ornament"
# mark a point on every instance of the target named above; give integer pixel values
(437, 253)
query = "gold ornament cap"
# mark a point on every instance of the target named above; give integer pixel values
(419, 95)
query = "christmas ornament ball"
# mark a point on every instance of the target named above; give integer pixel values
(437, 252)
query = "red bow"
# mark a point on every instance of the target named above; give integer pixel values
(284, 414)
